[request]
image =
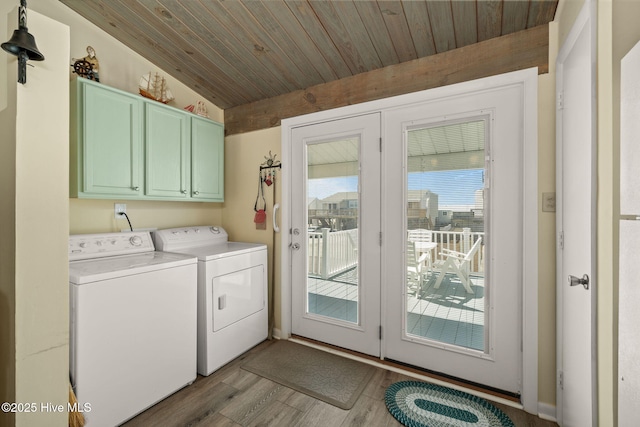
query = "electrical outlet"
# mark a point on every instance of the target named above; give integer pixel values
(118, 209)
(548, 202)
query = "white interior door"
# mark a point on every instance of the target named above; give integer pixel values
(459, 163)
(335, 232)
(576, 224)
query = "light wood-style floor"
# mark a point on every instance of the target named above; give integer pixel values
(234, 397)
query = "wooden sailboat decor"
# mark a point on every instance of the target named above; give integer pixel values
(154, 86)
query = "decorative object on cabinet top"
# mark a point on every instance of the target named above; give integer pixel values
(89, 66)
(154, 86)
(200, 109)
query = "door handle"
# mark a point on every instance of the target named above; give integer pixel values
(275, 223)
(575, 281)
(295, 246)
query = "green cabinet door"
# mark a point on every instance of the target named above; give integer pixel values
(128, 147)
(167, 152)
(109, 143)
(207, 160)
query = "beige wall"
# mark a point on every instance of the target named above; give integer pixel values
(607, 227)
(546, 241)
(97, 216)
(34, 291)
(8, 112)
(566, 15)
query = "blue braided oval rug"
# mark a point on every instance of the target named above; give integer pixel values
(419, 404)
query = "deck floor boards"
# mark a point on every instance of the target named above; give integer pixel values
(448, 314)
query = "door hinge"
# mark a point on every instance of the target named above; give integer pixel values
(380, 332)
(560, 100)
(380, 239)
(561, 240)
(380, 144)
(561, 380)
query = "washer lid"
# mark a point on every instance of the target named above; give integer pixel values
(208, 253)
(93, 270)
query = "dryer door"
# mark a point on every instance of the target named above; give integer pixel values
(237, 288)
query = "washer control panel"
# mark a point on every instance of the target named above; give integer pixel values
(86, 246)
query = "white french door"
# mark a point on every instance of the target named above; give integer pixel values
(421, 246)
(462, 314)
(335, 232)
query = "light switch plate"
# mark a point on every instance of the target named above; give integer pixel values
(548, 202)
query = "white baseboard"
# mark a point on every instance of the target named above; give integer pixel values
(547, 411)
(277, 333)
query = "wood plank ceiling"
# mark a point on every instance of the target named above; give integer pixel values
(240, 53)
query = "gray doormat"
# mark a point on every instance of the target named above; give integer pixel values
(325, 376)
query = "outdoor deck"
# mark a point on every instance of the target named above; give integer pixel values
(449, 314)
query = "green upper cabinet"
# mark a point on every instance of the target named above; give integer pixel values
(106, 154)
(207, 160)
(125, 146)
(167, 152)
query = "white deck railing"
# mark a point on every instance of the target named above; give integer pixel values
(460, 241)
(332, 253)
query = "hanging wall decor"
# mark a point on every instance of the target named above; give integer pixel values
(22, 44)
(266, 175)
(260, 217)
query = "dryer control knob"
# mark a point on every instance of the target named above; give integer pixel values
(214, 230)
(135, 241)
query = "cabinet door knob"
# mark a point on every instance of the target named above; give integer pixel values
(196, 193)
(183, 191)
(135, 188)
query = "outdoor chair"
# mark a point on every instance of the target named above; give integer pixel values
(458, 263)
(415, 267)
(424, 244)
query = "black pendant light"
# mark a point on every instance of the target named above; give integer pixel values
(22, 44)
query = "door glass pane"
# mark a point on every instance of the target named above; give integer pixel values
(332, 229)
(446, 212)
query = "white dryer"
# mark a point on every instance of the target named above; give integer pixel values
(132, 324)
(232, 291)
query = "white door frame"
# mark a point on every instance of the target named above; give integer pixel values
(529, 78)
(587, 18)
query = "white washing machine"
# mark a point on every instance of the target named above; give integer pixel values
(232, 291)
(132, 324)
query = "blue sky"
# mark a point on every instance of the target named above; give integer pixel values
(455, 187)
